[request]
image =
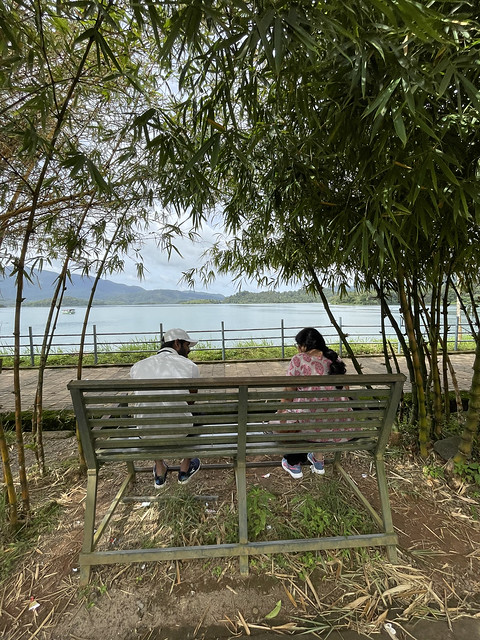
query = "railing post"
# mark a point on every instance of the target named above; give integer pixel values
(223, 340)
(340, 350)
(32, 353)
(161, 332)
(456, 333)
(282, 331)
(95, 346)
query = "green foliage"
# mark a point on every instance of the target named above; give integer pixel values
(468, 471)
(128, 354)
(433, 471)
(323, 510)
(270, 297)
(259, 511)
(312, 516)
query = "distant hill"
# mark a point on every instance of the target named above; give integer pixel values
(42, 286)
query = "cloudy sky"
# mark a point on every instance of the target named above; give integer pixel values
(164, 273)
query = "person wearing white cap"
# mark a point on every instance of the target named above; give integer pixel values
(170, 362)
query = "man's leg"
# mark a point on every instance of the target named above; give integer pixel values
(188, 468)
(160, 470)
(184, 465)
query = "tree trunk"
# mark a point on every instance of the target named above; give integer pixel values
(8, 479)
(444, 345)
(434, 333)
(331, 317)
(423, 422)
(453, 375)
(17, 389)
(398, 332)
(50, 326)
(473, 414)
(383, 315)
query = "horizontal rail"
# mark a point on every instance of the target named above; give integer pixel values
(221, 341)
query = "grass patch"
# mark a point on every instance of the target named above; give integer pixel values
(129, 353)
(180, 519)
(14, 545)
(61, 420)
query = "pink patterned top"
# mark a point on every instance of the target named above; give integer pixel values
(305, 364)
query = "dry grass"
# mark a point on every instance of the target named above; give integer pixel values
(439, 542)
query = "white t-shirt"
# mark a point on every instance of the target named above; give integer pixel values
(165, 364)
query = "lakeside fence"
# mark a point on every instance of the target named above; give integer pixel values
(222, 339)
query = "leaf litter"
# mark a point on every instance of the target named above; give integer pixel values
(360, 591)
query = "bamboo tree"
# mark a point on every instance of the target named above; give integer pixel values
(8, 479)
(473, 414)
(445, 353)
(331, 317)
(423, 422)
(20, 263)
(383, 329)
(370, 152)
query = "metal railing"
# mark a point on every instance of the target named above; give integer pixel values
(222, 340)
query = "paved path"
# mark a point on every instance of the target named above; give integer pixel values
(57, 397)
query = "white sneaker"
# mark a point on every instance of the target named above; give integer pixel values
(317, 465)
(295, 470)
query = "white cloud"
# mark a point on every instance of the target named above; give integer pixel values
(164, 272)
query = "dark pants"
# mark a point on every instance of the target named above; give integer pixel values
(296, 458)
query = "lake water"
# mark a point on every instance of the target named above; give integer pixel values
(114, 324)
(203, 321)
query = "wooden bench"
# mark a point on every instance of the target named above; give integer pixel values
(232, 420)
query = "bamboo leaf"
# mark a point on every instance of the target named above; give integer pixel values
(275, 611)
(199, 154)
(399, 125)
(381, 101)
(97, 177)
(472, 91)
(447, 172)
(447, 78)
(278, 44)
(215, 150)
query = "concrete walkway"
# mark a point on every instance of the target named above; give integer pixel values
(57, 397)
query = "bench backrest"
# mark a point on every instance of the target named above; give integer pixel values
(127, 420)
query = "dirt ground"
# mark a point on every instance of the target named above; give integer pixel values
(437, 581)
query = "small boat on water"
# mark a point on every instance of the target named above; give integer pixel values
(69, 311)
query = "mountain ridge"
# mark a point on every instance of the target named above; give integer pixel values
(41, 288)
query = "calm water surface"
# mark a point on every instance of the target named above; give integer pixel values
(204, 321)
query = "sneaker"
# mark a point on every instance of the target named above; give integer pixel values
(295, 470)
(184, 476)
(159, 481)
(317, 465)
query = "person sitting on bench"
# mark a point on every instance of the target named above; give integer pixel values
(170, 362)
(313, 358)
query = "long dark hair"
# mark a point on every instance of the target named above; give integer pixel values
(310, 338)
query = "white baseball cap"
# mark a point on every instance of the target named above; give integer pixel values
(178, 334)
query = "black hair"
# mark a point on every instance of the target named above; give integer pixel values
(310, 338)
(167, 344)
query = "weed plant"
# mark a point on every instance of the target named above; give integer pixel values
(324, 510)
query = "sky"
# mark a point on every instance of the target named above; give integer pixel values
(164, 273)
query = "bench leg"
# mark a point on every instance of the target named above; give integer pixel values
(89, 527)
(385, 505)
(240, 476)
(131, 470)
